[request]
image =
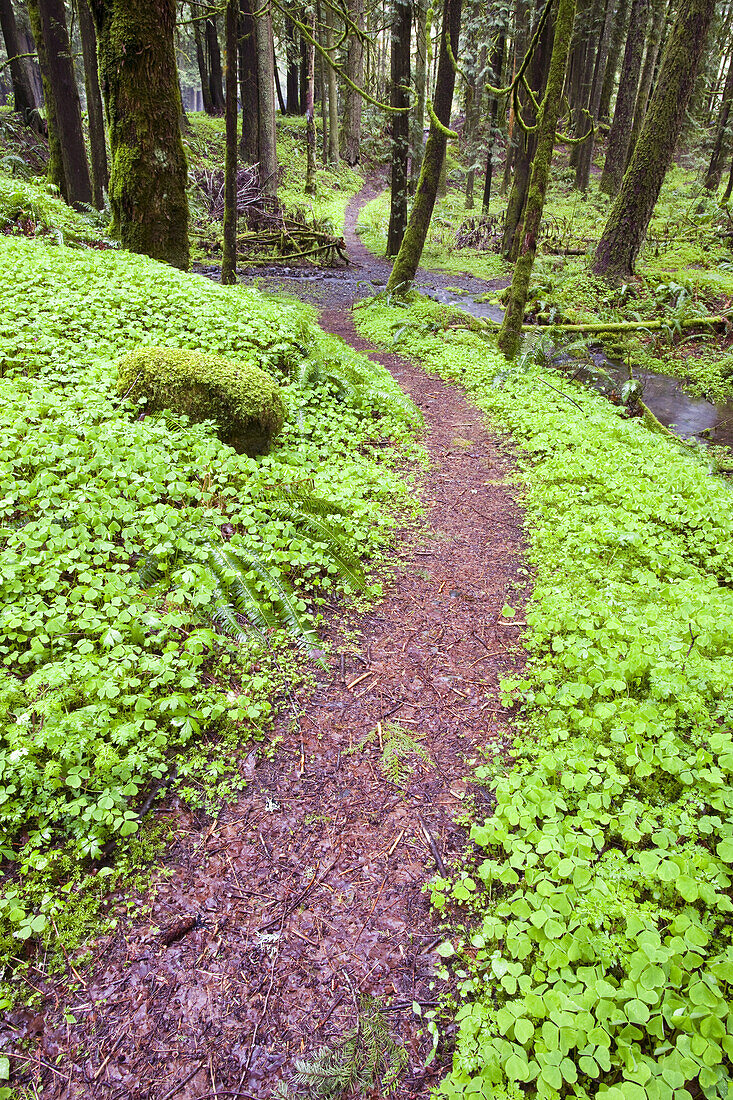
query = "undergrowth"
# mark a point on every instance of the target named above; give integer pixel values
(133, 546)
(596, 956)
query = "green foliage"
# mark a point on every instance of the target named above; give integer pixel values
(396, 747)
(108, 686)
(29, 208)
(601, 956)
(366, 1056)
(242, 400)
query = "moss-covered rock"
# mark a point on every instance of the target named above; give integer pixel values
(242, 400)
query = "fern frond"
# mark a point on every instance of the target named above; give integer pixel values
(149, 571)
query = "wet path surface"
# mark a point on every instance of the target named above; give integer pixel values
(267, 925)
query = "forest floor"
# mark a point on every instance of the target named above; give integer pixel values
(264, 928)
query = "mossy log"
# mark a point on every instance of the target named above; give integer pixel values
(621, 326)
(243, 401)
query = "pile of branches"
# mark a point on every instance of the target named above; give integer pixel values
(269, 228)
(483, 233)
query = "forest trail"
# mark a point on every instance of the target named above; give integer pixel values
(264, 927)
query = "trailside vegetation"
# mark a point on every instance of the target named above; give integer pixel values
(597, 957)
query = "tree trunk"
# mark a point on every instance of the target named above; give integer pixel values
(266, 83)
(310, 121)
(355, 72)
(248, 84)
(510, 334)
(292, 99)
(399, 98)
(278, 87)
(474, 98)
(729, 185)
(215, 75)
(619, 137)
(137, 66)
(68, 106)
(659, 13)
(303, 70)
(495, 69)
(413, 242)
(24, 99)
(521, 18)
(55, 170)
(229, 251)
(715, 167)
(333, 95)
(618, 37)
(585, 151)
(202, 62)
(631, 212)
(95, 111)
(419, 80)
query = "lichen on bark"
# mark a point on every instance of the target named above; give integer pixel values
(139, 78)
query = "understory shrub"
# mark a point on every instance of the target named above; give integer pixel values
(243, 401)
(597, 953)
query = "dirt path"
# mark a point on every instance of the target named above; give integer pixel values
(266, 925)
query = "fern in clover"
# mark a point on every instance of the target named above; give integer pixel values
(365, 1056)
(248, 596)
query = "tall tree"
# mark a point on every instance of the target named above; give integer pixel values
(266, 87)
(68, 106)
(202, 62)
(399, 99)
(413, 242)
(510, 334)
(619, 137)
(24, 97)
(292, 55)
(229, 252)
(496, 65)
(417, 115)
(137, 66)
(653, 43)
(310, 121)
(585, 150)
(717, 156)
(214, 58)
(95, 111)
(55, 170)
(249, 84)
(631, 212)
(618, 37)
(355, 73)
(333, 108)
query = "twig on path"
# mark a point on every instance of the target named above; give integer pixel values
(117, 1043)
(180, 1085)
(432, 846)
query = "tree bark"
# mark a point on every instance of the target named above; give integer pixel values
(474, 97)
(24, 98)
(400, 124)
(95, 110)
(292, 99)
(310, 121)
(659, 13)
(618, 37)
(55, 170)
(419, 81)
(496, 64)
(229, 251)
(215, 74)
(510, 334)
(413, 242)
(333, 95)
(139, 76)
(355, 72)
(631, 212)
(619, 137)
(715, 167)
(266, 84)
(248, 84)
(585, 151)
(202, 62)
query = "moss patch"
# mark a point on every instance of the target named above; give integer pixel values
(242, 400)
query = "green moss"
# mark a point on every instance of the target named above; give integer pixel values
(242, 400)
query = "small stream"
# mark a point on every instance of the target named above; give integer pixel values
(687, 416)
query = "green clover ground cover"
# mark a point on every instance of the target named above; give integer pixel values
(598, 957)
(104, 685)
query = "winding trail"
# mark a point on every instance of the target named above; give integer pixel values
(265, 926)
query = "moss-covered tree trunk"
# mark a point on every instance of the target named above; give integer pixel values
(202, 61)
(310, 120)
(413, 242)
(419, 79)
(213, 52)
(66, 97)
(333, 92)
(654, 40)
(55, 170)
(618, 37)
(619, 137)
(95, 110)
(631, 212)
(400, 123)
(355, 73)
(24, 98)
(510, 334)
(248, 84)
(137, 66)
(496, 64)
(266, 85)
(229, 252)
(717, 156)
(585, 151)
